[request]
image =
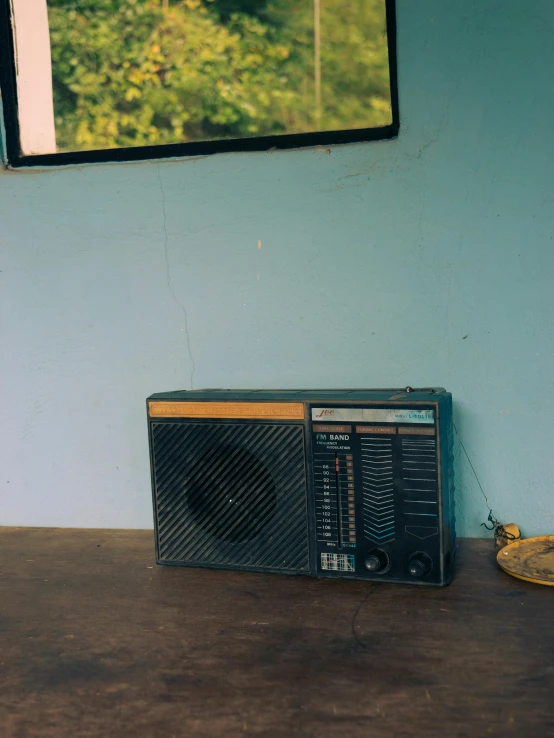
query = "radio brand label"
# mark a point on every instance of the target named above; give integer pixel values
(372, 415)
(336, 414)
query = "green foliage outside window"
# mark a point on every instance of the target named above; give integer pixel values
(137, 72)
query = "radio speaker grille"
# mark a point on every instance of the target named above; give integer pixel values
(231, 494)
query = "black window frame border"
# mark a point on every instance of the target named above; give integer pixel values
(16, 159)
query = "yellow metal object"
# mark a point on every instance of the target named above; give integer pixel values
(248, 410)
(531, 559)
(506, 534)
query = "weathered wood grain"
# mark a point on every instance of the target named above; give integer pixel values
(97, 641)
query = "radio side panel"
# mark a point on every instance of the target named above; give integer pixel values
(447, 487)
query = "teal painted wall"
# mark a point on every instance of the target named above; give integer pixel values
(424, 260)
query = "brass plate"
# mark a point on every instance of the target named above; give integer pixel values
(332, 428)
(531, 559)
(387, 429)
(226, 410)
(416, 430)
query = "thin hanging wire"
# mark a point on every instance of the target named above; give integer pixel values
(499, 530)
(472, 468)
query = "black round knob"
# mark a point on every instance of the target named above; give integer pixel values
(417, 568)
(377, 561)
(419, 565)
(372, 563)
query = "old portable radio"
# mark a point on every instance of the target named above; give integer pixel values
(337, 483)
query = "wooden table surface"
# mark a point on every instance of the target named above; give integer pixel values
(96, 640)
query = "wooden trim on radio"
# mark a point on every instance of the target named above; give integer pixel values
(226, 410)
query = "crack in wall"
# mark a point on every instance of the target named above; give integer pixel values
(170, 284)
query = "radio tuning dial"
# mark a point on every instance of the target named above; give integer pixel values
(376, 561)
(419, 565)
(372, 563)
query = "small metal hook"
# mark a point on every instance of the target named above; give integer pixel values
(499, 530)
(490, 519)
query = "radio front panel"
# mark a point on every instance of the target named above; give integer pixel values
(376, 492)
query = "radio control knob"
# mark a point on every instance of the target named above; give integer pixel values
(372, 563)
(376, 560)
(419, 565)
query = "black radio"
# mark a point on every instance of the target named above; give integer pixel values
(336, 483)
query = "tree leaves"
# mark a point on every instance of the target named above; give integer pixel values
(138, 72)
